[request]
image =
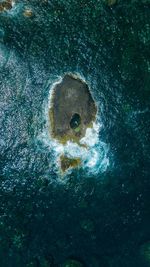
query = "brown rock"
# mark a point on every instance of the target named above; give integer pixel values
(28, 13)
(72, 109)
(5, 5)
(67, 163)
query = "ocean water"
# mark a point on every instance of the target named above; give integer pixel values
(98, 213)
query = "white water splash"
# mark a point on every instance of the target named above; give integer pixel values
(92, 152)
(94, 158)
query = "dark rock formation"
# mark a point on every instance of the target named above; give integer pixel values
(72, 109)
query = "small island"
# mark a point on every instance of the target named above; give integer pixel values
(72, 110)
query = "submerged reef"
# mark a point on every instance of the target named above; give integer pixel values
(145, 252)
(72, 263)
(6, 5)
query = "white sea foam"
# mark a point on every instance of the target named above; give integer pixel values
(92, 151)
(94, 157)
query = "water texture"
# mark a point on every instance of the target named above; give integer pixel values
(99, 213)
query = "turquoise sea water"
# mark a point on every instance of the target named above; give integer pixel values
(98, 214)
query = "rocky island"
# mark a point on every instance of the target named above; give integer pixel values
(72, 110)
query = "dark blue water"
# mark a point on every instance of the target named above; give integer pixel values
(98, 214)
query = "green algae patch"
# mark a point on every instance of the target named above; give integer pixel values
(110, 2)
(72, 109)
(68, 163)
(145, 252)
(87, 225)
(72, 263)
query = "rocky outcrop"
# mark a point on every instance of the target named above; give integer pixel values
(72, 109)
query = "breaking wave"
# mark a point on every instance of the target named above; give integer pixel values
(92, 151)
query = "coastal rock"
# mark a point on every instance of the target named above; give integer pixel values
(67, 163)
(72, 109)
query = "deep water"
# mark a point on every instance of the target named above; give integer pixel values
(98, 214)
